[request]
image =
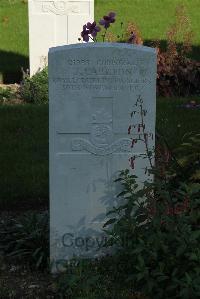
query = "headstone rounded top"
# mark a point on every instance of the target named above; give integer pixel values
(103, 45)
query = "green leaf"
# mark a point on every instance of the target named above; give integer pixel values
(110, 221)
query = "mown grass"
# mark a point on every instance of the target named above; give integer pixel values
(14, 26)
(152, 16)
(13, 39)
(24, 146)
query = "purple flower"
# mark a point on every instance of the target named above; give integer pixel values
(107, 20)
(93, 28)
(85, 34)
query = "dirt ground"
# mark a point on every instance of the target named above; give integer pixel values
(19, 282)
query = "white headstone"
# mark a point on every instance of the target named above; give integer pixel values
(55, 23)
(93, 89)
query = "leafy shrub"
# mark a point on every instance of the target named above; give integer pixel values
(188, 157)
(177, 75)
(158, 238)
(35, 89)
(26, 238)
(157, 227)
(6, 94)
(183, 163)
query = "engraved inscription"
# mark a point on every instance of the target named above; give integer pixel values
(60, 8)
(103, 74)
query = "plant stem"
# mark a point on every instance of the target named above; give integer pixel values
(104, 35)
(145, 139)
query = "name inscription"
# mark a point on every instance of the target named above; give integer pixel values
(102, 74)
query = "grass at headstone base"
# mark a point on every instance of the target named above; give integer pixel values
(153, 18)
(24, 147)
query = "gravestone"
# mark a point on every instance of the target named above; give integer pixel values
(93, 90)
(55, 23)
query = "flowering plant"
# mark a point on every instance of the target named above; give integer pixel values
(90, 30)
(156, 230)
(176, 73)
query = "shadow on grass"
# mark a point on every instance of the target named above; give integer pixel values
(195, 53)
(23, 156)
(11, 65)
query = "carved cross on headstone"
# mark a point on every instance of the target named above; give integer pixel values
(102, 140)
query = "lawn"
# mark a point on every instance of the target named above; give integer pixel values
(24, 153)
(13, 39)
(152, 16)
(173, 121)
(24, 147)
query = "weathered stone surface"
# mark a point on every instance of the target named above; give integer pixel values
(93, 89)
(55, 23)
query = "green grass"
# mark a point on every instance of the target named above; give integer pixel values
(13, 39)
(152, 16)
(24, 146)
(24, 153)
(173, 122)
